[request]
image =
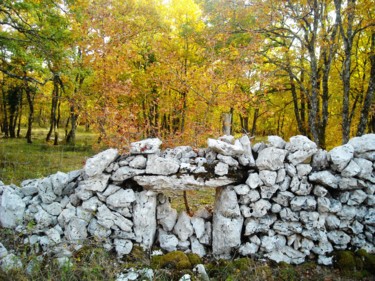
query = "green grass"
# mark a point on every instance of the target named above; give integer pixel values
(20, 160)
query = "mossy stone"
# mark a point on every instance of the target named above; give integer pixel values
(345, 261)
(243, 263)
(173, 260)
(365, 261)
(194, 259)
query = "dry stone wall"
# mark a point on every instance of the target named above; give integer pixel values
(286, 201)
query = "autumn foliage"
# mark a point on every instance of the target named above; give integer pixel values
(171, 69)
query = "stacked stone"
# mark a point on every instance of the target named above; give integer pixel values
(294, 201)
(295, 206)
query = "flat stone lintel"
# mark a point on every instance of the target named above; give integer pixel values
(183, 182)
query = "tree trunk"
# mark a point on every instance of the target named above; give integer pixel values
(5, 127)
(297, 112)
(254, 125)
(244, 120)
(226, 123)
(53, 117)
(370, 91)
(347, 37)
(20, 115)
(30, 100)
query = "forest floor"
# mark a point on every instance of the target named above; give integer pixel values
(20, 161)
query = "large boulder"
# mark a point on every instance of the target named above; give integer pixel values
(301, 149)
(97, 164)
(271, 158)
(227, 223)
(147, 146)
(144, 218)
(225, 148)
(12, 208)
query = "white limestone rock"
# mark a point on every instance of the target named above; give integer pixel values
(54, 208)
(332, 222)
(363, 144)
(320, 160)
(252, 196)
(139, 162)
(338, 237)
(105, 217)
(225, 148)
(3, 251)
(123, 247)
(369, 219)
(125, 173)
(303, 188)
(271, 158)
(281, 174)
(276, 141)
(147, 146)
(144, 218)
(268, 191)
(167, 241)
(323, 247)
(230, 161)
(161, 166)
(287, 228)
(29, 187)
(299, 203)
(312, 220)
(287, 254)
(123, 223)
(248, 249)
(54, 236)
(324, 178)
(324, 260)
(320, 191)
(11, 262)
(98, 231)
(95, 183)
(357, 197)
(253, 180)
(227, 223)
(283, 198)
(301, 149)
(66, 215)
(92, 204)
(45, 190)
(183, 182)
(366, 168)
(287, 214)
(352, 169)
(341, 156)
(260, 208)
(221, 169)
(348, 184)
(303, 170)
(183, 228)
(241, 189)
(76, 231)
(198, 226)
(228, 139)
(12, 208)
(97, 164)
(166, 216)
(121, 198)
(246, 159)
(268, 177)
(197, 247)
(59, 181)
(272, 243)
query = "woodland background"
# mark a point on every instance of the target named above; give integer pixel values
(175, 69)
